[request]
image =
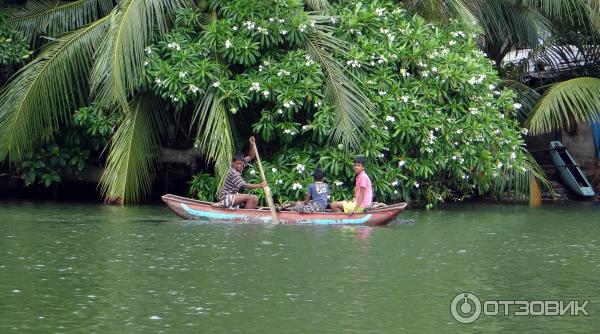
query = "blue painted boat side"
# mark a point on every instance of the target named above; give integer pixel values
(234, 216)
(211, 215)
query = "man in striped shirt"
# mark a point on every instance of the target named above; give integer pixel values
(229, 196)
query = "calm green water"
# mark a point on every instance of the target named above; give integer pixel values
(92, 268)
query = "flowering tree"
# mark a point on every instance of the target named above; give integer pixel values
(440, 128)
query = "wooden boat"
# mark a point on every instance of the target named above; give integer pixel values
(195, 210)
(569, 171)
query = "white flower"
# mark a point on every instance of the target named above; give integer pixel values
(312, 23)
(401, 163)
(282, 73)
(416, 184)
(281, 20)
(353, 63)
(182, 74)
(499, 164)
(338, 183)
(194, 89)
(158, 81)
(513, 155)
(492, 86)
(283, 32)
(404, 98)
(233, 110)
(280, 181)
(148, 50)
(249, 24)
(146, 63)
(255, 87)
(274, 170)
(390, 119)
(459, 131)
(382, 93)
(216, 84)
(525, 131)
(379, 11)
(262, 30)
(279, 111)
(252, 172)
(454, 157)
(300, 168)
(452, 42)
(404, 72)
(266, 93)
(227, 44)
(473, 111)
(296, 185)
(517, 106)
(271, 19)
(302, 27)
(235, 28)
(394, 183)
(333, 20)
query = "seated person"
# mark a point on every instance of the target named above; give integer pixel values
(363, 191)
(229, 196)
(316, 197)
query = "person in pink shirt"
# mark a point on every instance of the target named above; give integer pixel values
(363, 191)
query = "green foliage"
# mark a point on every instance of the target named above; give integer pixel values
(203, 186)
(13, 48)
(96, 125)
(442, 128)
(48, 163)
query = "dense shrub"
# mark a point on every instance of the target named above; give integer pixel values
(442, 128)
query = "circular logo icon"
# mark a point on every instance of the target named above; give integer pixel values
(465, 308)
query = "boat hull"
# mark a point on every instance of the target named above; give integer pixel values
(198, 210)
(570, 173)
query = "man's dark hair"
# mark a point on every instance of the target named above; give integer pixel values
(318, 174)
(360, 159)
(238, 156)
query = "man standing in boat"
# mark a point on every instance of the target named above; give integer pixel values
(229, 196)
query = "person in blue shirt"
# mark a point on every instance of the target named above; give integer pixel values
(317, 195)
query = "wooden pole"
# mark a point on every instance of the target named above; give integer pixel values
(266, 189)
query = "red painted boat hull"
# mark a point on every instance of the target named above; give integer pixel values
(197, 210)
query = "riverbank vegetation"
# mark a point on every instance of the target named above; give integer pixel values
(117, 86)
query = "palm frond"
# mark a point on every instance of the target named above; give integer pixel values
(440, 10)
(118, 71)
(519, 181)
(574, 11)
(318, 5)
(353, 108)
(526, 96)
(46, 89)
(56, 17)
(133, 155)
(576, 100)
(215, 134)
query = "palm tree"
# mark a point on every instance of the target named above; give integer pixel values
(96, 53)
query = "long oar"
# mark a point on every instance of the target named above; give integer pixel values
(267, 189)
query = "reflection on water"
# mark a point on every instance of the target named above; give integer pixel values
(88, 268)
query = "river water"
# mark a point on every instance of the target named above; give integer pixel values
(81, 268)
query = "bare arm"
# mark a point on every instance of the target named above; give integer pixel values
(307, 198)
(255, 186)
